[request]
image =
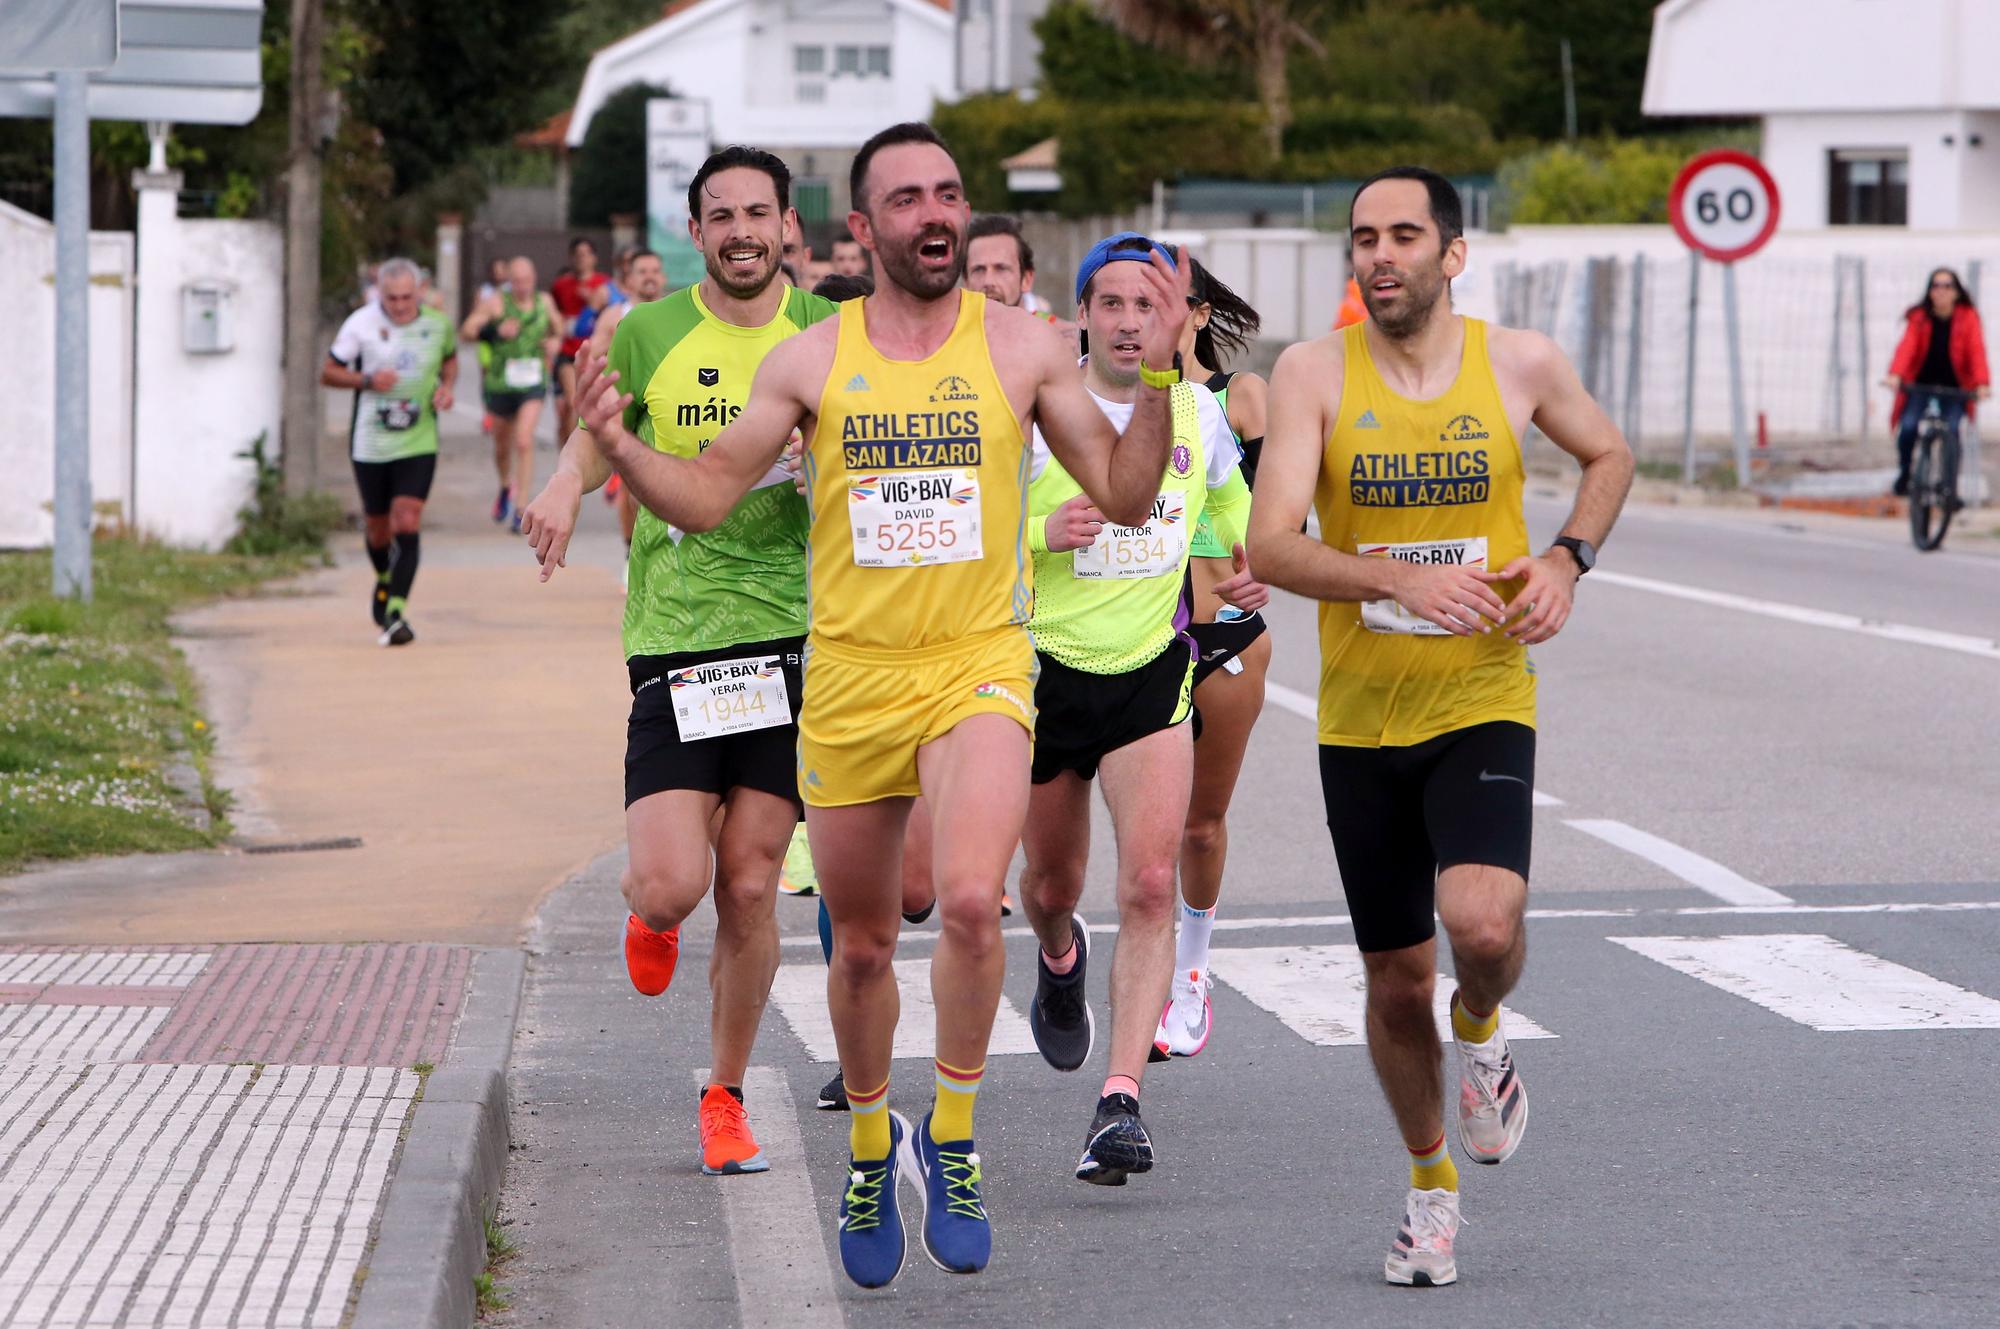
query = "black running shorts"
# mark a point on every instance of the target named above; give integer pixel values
(1401, 815)
(657, 758)
(382, 481)
(503, 404)
(1081, 716)
(1219, 642)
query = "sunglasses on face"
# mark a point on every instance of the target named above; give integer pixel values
(1944, 286)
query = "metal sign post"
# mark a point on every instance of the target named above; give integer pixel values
(72, 497)
(1724, 206)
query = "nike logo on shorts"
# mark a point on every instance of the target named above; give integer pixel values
(1487, 777)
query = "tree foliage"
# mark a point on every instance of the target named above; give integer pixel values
(604, 175)
(1604, 181)
(1087, 59)
(1396, 53)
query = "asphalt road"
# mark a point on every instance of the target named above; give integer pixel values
(1713, 1141)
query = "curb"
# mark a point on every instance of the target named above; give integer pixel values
(432, 1242)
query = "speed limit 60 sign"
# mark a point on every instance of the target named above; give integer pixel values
(1724, 205)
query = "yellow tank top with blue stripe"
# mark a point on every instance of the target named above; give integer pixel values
(917, 475)
(1434, 481)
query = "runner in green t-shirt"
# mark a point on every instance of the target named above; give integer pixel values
(714, 629)
(401, 360)
(521, 330)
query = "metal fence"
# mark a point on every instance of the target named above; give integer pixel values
(1649, 336)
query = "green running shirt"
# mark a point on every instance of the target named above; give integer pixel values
(1116, 604)
(745, 580)
(399, 423)
(517, 364)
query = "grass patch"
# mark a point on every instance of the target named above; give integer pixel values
(500, 1248)
(95, 701)
(1714, 475)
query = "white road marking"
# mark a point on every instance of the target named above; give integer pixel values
(1985, 647)
(799, 993)
(784, 1277)
(1225, 923)
(1820, 982)
(1690, 867)
(1320, 992)
(174, 969)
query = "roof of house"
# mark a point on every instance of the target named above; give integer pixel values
(1040, 157)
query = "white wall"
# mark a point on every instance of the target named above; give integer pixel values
(1945, 179)
(27, 350)
(738, 55)
(196, 411)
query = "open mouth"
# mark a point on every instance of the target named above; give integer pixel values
(937, 249)
(1385, 285)
(1125, 348)
(743, 256)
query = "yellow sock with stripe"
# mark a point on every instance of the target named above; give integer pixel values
(1432, 1169)
(868, 1127)
(951, 1117)
(1469, 1025)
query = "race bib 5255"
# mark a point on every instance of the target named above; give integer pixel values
(914, 518)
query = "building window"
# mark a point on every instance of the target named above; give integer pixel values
(878, 60)
(847, 60)
(809, 59)
(1868, 187)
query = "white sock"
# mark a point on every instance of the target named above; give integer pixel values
(1191, 948)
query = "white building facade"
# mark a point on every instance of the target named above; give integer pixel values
(811, 80)
(1875, 112)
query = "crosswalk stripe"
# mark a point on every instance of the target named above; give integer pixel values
(1320, 992)
(799, 993)
(1824, 984)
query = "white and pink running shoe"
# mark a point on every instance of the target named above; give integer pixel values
(1186, 1021)
(1421, 1255)
(1492, 1106)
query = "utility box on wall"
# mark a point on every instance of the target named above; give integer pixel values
(208, 317)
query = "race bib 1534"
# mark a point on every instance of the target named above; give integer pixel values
(1152, 550)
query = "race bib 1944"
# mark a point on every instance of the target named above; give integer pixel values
(729, 697)
(1387, 615)
(1130, 552)
(915, 518)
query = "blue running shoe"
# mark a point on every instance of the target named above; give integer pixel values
(871, 1228)
(957, 1236)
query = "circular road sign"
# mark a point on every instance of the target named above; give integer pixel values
(1724, 205)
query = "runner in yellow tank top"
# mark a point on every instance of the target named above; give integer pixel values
(1404, 431)
(918, 677)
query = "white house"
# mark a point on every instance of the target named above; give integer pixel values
(1875, 112)
(997, 47)
(808, 79)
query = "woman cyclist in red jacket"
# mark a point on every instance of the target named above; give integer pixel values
(1942, 347)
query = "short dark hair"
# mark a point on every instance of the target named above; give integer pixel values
(842, 237)
(1447, 210)
(642, 252)
(910, 131)
(999, 223)
(576, 240)
(1131, 244)
(839, 286)
(733, 156)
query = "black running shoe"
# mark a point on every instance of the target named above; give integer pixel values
(916, 916)
(1118, 1144)
(378, 605)
(396, 631)
(1060, 1015)
(833, 1098)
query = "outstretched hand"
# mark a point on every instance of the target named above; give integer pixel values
(600, 405)
(1167, 288)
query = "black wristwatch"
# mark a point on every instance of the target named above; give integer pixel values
(1583, 551)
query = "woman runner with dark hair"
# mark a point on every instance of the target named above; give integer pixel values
(1232, 655)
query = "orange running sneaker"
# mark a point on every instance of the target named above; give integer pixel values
(727, 1146)
(650, 956)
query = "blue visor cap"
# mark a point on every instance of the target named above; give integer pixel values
(1101, 253)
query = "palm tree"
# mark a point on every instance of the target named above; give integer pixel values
(1259, 33)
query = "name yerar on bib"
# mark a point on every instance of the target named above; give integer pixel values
(1132, 552)
(729, 697)
(1387, 615)
(915, 518)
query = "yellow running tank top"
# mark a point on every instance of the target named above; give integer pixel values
(1430, 482)
(918, 479)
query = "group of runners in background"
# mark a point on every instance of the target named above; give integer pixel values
(917, 563)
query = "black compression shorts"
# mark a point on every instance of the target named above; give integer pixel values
(1401, 815)
(382, 481)
(657, 758)
(1219, 642)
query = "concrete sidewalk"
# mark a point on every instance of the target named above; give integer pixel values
(266, 1085)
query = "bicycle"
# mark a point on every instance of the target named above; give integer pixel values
(1934, 470)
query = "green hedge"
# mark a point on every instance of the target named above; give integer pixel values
(985, 130)
(1602, 181)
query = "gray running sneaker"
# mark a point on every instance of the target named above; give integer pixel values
(1421, 1255)
(1059, 1017)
